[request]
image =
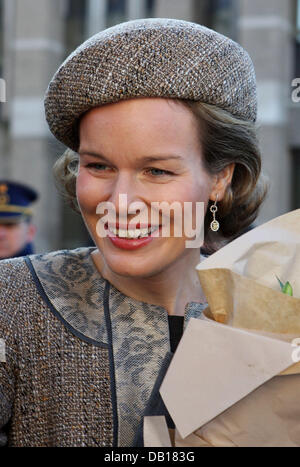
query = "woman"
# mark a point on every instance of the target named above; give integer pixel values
(89, 332)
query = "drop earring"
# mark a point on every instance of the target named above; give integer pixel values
(214, 225)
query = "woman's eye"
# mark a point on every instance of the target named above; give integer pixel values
(157, 172)
(97, 166)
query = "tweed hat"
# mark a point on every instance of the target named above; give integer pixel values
(150, 58)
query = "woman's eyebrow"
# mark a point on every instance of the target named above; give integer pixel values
(93, 154)
(145, 159)
(160, 157)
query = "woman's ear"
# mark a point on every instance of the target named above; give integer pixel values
(221, 182)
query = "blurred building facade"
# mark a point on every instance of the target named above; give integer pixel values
(36, 35)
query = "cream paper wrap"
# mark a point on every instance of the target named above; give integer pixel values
(234, 380)
(240, 280)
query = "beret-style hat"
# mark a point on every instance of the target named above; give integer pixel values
(150, 58)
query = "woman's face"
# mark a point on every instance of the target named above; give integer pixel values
(147, 150)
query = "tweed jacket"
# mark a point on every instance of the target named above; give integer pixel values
(81, 358)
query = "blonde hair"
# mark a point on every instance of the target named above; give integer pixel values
(226, 139)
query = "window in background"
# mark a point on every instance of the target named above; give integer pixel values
(75, 15)
(116, 12)
(101, 14)
(218, 14)
(150, 5)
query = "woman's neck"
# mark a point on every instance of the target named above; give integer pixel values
(171, 288)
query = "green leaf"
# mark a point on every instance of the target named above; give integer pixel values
(287, 289)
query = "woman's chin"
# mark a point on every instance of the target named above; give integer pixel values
(131, 270)
(142, 262)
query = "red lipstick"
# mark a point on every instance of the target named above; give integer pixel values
(131, 243)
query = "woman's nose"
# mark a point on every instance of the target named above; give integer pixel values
(124, 192)
(129, 199)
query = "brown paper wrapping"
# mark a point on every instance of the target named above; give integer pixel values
(244, 303)
(267, 417)
(242, 291)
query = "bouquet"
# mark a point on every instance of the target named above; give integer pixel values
(235, 377)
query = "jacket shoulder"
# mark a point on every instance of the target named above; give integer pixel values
(13, 274)
(17, 284)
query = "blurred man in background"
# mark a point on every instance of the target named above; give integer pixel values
(16, 228)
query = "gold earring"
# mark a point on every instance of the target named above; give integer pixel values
(214, 225)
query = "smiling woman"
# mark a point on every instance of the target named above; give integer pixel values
(159, 119)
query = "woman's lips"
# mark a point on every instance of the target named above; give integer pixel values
(132, 243)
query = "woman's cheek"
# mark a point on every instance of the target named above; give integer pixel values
(86, 193)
